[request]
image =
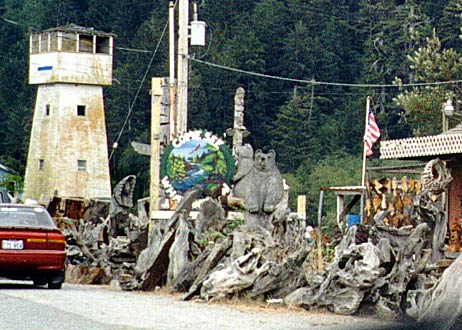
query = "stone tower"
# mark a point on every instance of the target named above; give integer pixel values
(68, 154)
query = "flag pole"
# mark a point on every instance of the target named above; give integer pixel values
(363, 180)
(363, 177)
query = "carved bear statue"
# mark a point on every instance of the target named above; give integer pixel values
(260, 184)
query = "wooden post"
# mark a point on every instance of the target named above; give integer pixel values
(340, 207)
(172, 116)
(319, 247)
(182, 93)
(157, 84)
(320, 206)
(301, 206)
(318, 231)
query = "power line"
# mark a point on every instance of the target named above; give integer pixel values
(116, 142)
(314, 82)
(10, 21)
(134, 50)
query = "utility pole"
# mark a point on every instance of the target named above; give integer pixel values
(157, 91)
(182, 89)
(171, 32)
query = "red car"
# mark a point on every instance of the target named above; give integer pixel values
(31, 246)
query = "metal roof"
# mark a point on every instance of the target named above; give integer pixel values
(74, 28)
(446, 143)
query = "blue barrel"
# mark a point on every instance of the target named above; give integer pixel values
(352, 220)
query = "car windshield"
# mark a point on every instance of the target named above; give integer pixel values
(25, 217)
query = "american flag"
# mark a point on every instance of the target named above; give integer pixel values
(372, 133)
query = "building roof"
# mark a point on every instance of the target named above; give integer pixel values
(74, 28)
(414, 168)
(345, 190)
(447, 143)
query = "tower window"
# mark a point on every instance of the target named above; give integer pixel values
(85, 44)
(47, 109)
(81, 165)
(81, 110)
(44, 43)
(40, 164)
(102, 45)
(54, 36)
(69, 42)
(35, 43)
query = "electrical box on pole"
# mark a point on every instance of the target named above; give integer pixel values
(183, 49)
(198, 33)
(197, 29)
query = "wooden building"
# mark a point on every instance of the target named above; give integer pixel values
(448, 147)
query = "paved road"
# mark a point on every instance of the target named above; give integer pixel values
(24, 307)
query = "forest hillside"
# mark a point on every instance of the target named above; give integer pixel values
(307, 67)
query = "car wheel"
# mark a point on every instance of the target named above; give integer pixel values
(55, 285)
(40, 281)
(56, 280)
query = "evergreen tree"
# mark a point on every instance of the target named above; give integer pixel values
(334, 170)
(337, 42)
(423, 105)
(449, 26)
(294, 133)
(391, 30)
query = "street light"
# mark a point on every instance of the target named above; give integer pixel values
(448, 111)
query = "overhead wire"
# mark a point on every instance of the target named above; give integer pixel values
(116, 142)
(134, 50)
(311, 82)
(315, 82)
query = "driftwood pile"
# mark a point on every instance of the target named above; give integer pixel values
(385, 270)
(103, 240)
(441, 305)
(374, 267)
(215, 257)
(94, 257)
(377, 268)
(210, 258)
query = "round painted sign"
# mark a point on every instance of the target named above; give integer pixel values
(196, 158)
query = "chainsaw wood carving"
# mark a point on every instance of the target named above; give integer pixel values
(238, 132)
(259, 183)
(121, 202)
